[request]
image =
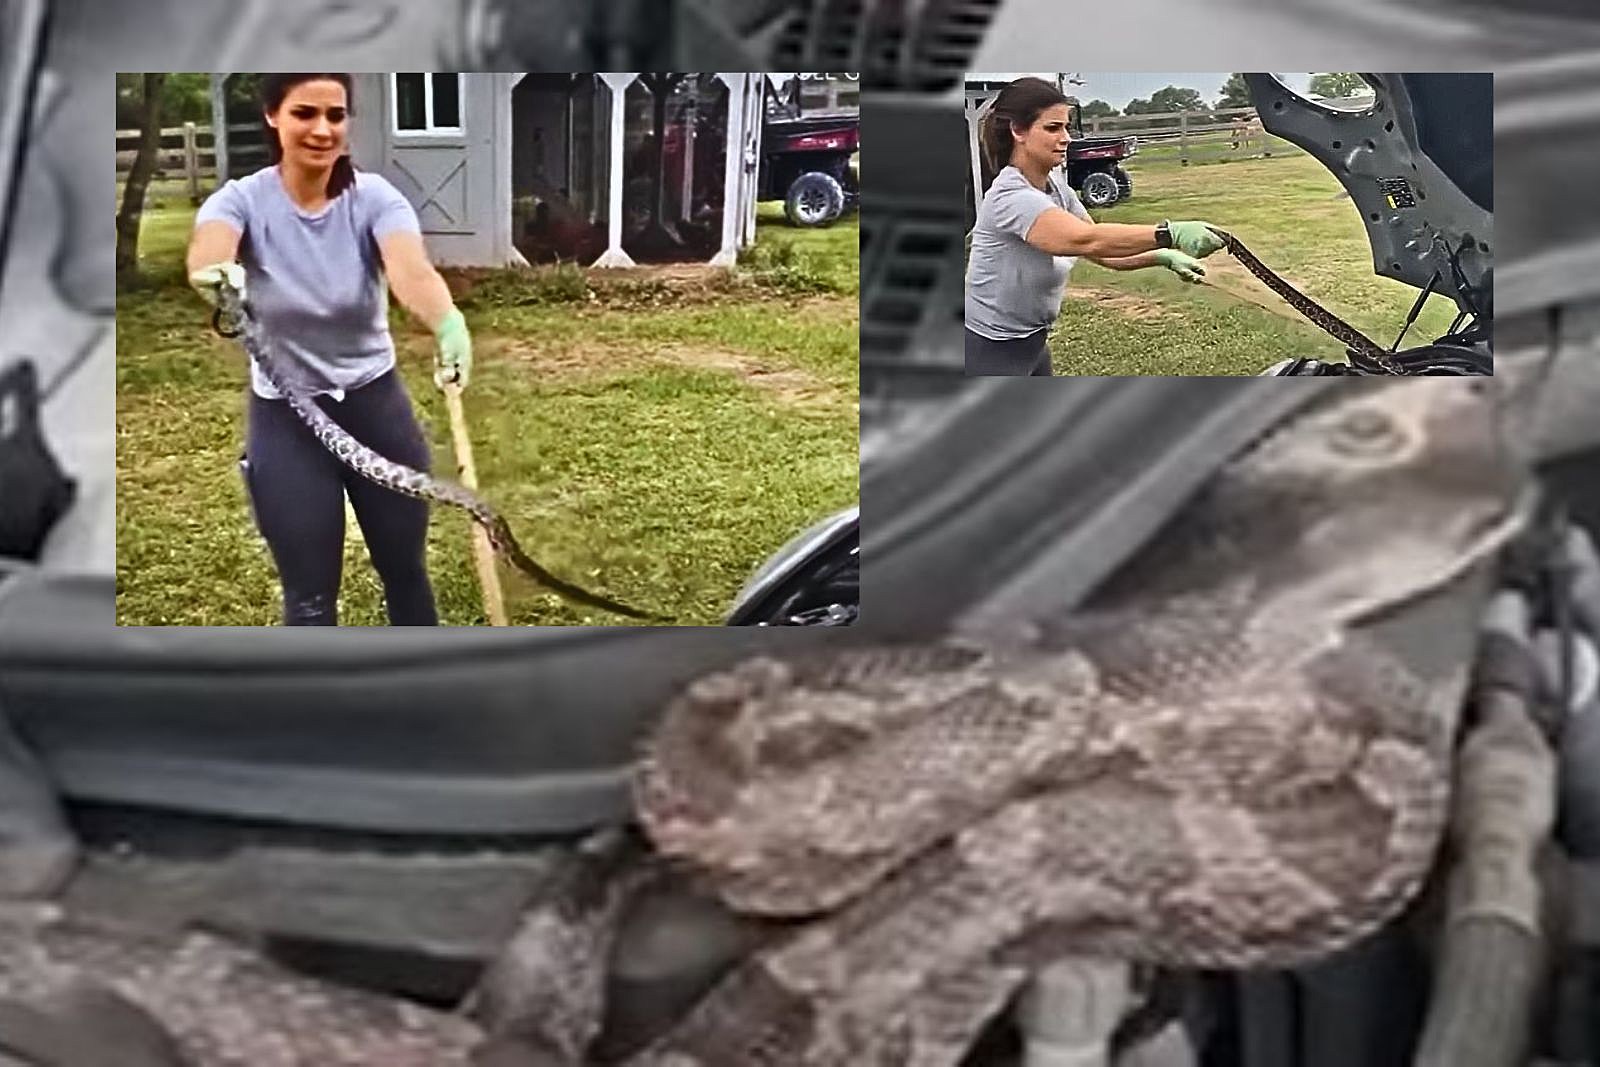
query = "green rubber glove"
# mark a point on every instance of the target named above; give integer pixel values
(207, 280)
(453, 360)
(1186, 267)
(1194, 239)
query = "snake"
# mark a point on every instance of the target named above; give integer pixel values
(1216, 762)
(234, 318)
(1325, 320)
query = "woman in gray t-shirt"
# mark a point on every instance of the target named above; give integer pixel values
(317, 247)
(1032, 228)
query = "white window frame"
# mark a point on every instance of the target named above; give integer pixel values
(430, 130)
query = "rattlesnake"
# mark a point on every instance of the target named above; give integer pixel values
(1213, 764)
(1325, 320)
(386, 472)
(1209, 767)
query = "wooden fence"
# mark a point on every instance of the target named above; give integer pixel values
(189, 152)
(1202, 136)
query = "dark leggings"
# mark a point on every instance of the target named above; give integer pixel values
(297, 490)
(1025, 357)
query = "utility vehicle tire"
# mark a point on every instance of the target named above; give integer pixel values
(815, 199)
(1100, 190)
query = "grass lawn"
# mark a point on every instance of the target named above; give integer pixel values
(654, 435)
(1292, 213)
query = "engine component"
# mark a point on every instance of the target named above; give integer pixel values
(34, 493)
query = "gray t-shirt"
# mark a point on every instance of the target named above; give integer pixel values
(1014, 289)
(315, 279)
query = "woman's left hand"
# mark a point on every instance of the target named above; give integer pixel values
(1186, 267)
(453, 360)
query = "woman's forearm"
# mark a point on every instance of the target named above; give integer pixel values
(424, 294)
(1142, 260)
(1061, 233)
(1115, 240)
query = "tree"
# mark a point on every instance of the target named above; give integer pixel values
(1235, 93)
(144, 163)
(243, 98)
(1098, 109)
(184, 98)
(1337, 86)
(129, 87)
(1173, 98)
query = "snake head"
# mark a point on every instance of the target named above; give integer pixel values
(1390, 490)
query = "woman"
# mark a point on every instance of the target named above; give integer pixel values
(312, 241)
(1031, 229)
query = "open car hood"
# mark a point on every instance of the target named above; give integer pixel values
(1419, 166)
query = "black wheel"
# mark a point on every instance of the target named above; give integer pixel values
(1100, 190)
(815, 199)
(1124, 182)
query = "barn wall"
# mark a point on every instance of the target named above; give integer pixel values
(453, 180)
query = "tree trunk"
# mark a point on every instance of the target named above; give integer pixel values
(144, 164)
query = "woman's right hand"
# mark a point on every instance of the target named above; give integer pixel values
(1195, 238)
(208, 280)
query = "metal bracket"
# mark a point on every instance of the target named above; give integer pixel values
(22, 32)
(34, 492)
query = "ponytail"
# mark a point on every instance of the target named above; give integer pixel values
(995, 140)
(343, 176)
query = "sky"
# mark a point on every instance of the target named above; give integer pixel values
(1118, 89)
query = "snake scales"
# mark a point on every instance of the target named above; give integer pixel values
(1213, 765)
(389, 474)
(1325, 320)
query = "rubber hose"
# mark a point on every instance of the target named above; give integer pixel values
(1585, 561)
(37, 850)
(1580, 767)
(1580, 737)
(1492, 949)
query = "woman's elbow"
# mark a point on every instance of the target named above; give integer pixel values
(1083, 242)
(1094, 244)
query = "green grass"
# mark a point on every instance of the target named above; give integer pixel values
(1206, 149)
(652, 438)
(824, 259)
(1289, 211)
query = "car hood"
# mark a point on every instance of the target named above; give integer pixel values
(1418, 163)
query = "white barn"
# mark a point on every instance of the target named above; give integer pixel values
(601, 169)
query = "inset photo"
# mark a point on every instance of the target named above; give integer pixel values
(511, 349)
(1230, 224)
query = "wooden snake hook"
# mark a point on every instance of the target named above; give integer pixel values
(494, 605)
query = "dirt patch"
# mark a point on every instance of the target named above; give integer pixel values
(631, 288)
(697, 273)
(584, 358)
(1228, 274)
(597, 359)
(1126, 304)
(789, 385)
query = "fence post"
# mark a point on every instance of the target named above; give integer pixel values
(191, 162)
(219, 126)
(1183, 137)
